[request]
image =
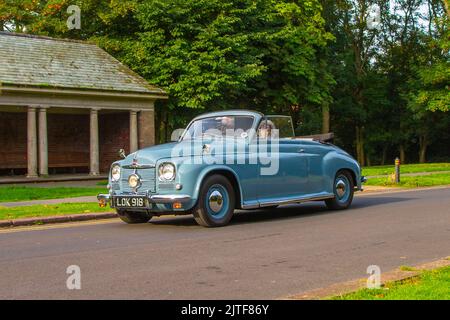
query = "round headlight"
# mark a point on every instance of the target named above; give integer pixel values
(133, 180)
(166, 172)
(115, 172)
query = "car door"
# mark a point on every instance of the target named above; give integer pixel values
(283, 173)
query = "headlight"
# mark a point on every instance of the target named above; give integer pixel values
(134, 180)
(166, 172)
(115, 172)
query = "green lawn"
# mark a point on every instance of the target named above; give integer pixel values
(50, 210)
(429, 285)
(22, 193)
(437, 179)
(405, 168)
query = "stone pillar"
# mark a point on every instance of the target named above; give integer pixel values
(94, 147)
(146, 128)
(133, 131)
(31, 143)
(43, 142)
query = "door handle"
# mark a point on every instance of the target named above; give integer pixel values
(301, 150)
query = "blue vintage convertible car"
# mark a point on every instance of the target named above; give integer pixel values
(230, 160)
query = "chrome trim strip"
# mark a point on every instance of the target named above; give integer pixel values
(139, 166)
(170, 198)
(290, 201)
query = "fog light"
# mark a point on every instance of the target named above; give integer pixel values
(134, 181)
(178, 186)
(177, 205)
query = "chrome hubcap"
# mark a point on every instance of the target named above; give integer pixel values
(215, 201)
(340, 188)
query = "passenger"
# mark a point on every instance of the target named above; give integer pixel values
(265, 129)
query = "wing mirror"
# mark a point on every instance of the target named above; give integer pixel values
(122, 154)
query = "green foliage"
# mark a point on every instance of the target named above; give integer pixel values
(428, 180)
(22, 193)
(433, 88)
(50, 210)
(405, 168)
(429, 285)
(210, 54)
(386, 89)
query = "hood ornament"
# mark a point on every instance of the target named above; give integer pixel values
(135, 165)
(122, 153)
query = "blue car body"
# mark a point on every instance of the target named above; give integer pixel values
(306, 171)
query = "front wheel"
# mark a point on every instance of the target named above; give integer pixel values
(216, 203)
(134, 217)
(343, 189)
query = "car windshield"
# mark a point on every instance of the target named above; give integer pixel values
(223, 126)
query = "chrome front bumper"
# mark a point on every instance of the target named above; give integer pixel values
(104, 199)
(361, 188)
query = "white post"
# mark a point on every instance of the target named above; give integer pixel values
(31, 143)
(43, 142)
(94, 145)
(133, 131)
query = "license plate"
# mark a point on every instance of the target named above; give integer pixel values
(129, 202)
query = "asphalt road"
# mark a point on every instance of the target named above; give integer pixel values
(260, 255)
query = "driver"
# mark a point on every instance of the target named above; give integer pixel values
(226, 123)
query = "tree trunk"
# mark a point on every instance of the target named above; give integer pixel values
(360, 145)
(384, 155)
(423, 144)
(368, 162)
(402, 154)
(325, 118)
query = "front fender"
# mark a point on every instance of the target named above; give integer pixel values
(215, 168)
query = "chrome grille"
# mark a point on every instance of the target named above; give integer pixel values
(148, 180)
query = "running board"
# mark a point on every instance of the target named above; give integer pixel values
(288, 201)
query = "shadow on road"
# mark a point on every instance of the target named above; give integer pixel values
(295, 211)
(364, 202)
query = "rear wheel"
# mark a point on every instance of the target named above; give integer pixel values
(343, 189)
(132, 217)
(216, 203)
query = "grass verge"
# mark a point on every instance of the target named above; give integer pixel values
(429, 285)
(405, 168)
(50, 210)
(23, 193)
(437, 179)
